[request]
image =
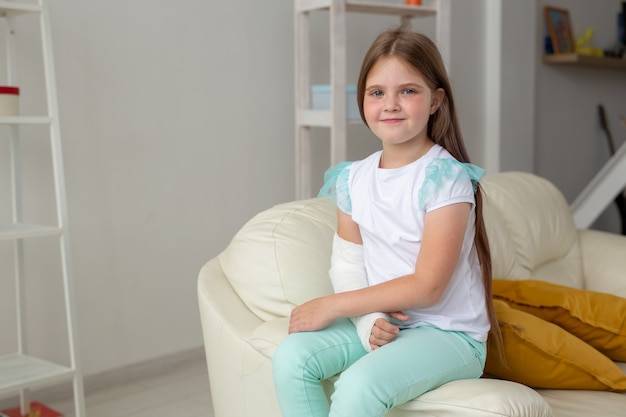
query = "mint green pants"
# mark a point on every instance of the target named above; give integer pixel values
(370, 384)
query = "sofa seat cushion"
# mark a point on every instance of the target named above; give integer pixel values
(470, 397)
(585, 403)
(281, 257)
(543, 355)
(597, 318)
(477, 398)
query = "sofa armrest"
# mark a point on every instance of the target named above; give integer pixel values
(227, 326)
(219, 303)
(268, 336)
(604, 261)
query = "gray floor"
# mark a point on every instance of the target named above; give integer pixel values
(182, 392)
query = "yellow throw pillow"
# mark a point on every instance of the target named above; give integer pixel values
(543, 355)
(597, 318)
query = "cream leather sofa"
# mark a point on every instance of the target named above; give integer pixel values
(280, 258)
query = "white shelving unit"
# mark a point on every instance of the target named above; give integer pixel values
(335, 118)
(20, 372)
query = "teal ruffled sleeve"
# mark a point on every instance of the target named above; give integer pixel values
(336, 186)
(441, 173)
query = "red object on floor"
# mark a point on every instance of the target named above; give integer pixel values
(36, 410)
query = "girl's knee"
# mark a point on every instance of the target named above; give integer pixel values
(297, 357)
(289, 356)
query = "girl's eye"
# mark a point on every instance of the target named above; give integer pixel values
(376, 93)
(408, 91)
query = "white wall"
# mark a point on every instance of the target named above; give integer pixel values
(468, 56)
(177, 125)
(569, 146)
(545, 117)
(517, 105)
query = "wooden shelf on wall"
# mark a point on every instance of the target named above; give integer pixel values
(585, 60)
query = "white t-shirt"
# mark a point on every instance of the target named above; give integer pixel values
(389, 206)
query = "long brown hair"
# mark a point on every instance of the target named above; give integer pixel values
(443, 127)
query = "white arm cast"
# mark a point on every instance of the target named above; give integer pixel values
(347, 273)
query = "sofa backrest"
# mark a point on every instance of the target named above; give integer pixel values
(531, 231)
(281, 257)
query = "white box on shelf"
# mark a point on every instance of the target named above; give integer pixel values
(320, 94)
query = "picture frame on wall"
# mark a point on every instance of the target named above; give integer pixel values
(559, 24)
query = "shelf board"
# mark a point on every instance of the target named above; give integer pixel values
(11, 8)
(309, 117)
(368, 7)
(585, 60)
(25, 120)
(18, 372)
(390, 9)
(23, 231)
(319, 118)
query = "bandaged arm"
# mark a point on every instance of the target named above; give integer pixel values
(347, 273)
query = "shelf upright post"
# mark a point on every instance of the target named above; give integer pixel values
(20, 372)
(61, 201)
(302, 101)
(338, 68)
(16, 200)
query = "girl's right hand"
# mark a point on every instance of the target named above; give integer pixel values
(384, 332)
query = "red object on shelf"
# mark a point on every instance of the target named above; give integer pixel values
(414, 2)
(36, 410)
(5, 89)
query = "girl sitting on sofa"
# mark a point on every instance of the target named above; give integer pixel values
(410, 264)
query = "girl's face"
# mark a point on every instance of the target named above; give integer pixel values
(398, 102)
